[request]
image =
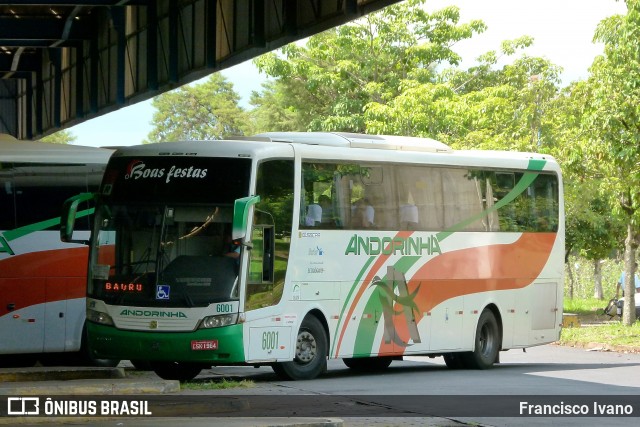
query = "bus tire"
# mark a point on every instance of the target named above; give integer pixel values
(85, 358)
(141, 365)
(486, 345)
(180, 371)
(368, 364)
(18, 360)
(311, 353)
(454, 360)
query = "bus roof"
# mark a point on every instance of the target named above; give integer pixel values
(342, 146)
(12, 150)
(355, 140)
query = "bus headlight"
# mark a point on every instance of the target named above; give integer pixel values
(99, 317)
(218, 321)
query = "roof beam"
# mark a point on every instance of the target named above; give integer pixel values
(80, 3)
(43, 29)
(28, 62)
(36, 43)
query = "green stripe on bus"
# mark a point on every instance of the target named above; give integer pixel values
(536, 164)
(39, 226)
(366, 333)
(354, 286)
(520, 187)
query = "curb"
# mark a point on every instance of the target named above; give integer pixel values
(89, 387)
(59, 374)
(73, 381)
(597, 346)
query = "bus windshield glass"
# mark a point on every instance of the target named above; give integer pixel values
(169, 253)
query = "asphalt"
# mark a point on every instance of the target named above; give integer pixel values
(103, 382)
(73, 381)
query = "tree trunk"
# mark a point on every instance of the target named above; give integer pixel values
(570, 273)
(630, 248)
(597, 275)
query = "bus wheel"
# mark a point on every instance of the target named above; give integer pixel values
(454, 360)
(487, 343)
(141, 365)
(369, 364)
(85, 358)
(311, 353)
(18, 360)
(176, 370)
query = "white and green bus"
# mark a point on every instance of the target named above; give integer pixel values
(286, 249)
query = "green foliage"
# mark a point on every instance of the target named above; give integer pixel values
(60, 137)
(481, 108)
(584, 278)
(610, 123)
(328, 82)
(585, 307)
(612, 333)
(272, 112)
(198, 112)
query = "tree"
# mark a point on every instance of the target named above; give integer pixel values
(328, 82)
(612, 121)
(272, 111)
(481, 108)
(591, 231)
(61, 137)
(203, 111)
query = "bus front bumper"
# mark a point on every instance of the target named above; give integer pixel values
(108, 342)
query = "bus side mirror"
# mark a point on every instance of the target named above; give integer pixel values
(241, 215)
(70, 214)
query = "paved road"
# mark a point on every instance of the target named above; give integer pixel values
(402, 395)
(541, 371)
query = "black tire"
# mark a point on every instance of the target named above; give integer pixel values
(18, 360)
(311, 353)
(454, 360)
(141, 365)
(368, 364)
(85, 358)
(487, 343)
(176, 370)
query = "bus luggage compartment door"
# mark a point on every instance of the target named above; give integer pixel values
(269, 343)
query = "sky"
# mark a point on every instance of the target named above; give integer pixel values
(562, 31)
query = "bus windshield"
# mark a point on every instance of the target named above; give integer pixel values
(169, 253)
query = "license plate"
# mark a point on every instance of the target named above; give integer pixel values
(204, 345)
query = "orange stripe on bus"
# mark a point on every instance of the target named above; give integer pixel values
(364, 285)
(458, 273)
(44, 276)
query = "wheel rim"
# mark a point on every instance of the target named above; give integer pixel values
(306, 347)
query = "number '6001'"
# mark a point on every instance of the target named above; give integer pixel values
(269, 340)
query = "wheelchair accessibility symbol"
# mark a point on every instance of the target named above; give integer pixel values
(162, 292)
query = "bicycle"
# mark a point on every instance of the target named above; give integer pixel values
(612, 309)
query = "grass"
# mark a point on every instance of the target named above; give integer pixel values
(584, 307)
(611, 333)
(216, 385)
(598, 327)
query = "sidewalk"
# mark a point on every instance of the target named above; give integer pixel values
(78, 381)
